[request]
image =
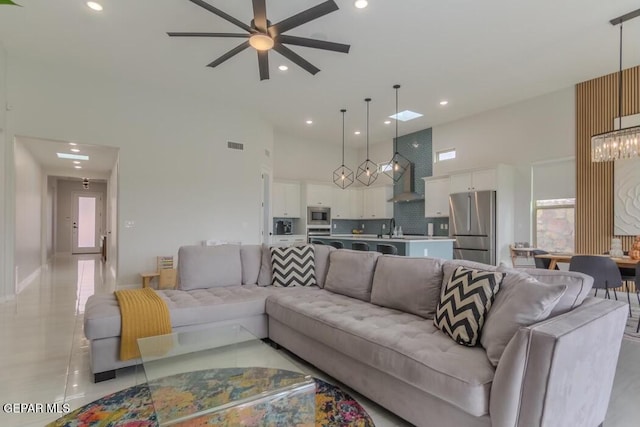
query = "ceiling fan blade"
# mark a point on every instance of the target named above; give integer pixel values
(313, 43)
(238, 35)
(295, 58)
(260, 15)
(263, 64)
(222, 15)
(302, 17)
(236, 50)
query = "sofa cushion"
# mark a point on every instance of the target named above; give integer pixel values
(464, 303)
(202, 267)
(351, 273)
(578, 286)
(408, 284)
(186, 308)
(402, 345)
(251, 257)
(293, 266)
(264, 278)
(521, 301)
(322, 253)
(450, 265)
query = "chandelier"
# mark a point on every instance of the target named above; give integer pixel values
(621, 143)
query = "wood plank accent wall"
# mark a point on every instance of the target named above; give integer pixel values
(596, 109)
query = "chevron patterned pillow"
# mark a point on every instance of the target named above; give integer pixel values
(293, 266)
(464, 303)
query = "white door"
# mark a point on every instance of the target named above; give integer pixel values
(87, 223)
(265, 207)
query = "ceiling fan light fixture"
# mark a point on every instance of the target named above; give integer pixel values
(95, 6)
(361, 4)
(261, 42)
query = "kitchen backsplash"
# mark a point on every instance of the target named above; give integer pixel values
(374, 226)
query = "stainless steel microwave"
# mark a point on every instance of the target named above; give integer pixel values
(318, 216)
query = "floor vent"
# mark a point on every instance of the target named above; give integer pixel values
(235, 145)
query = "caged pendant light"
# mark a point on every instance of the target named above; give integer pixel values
(398, 164)
(367, 171)
(620, 143)
(343, 176)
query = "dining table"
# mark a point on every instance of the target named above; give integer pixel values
(622, 262)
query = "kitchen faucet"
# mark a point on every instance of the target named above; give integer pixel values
(392, 225)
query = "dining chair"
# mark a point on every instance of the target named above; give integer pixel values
(604, 270)
(387, 249)
(628, 275)
(336, 244)
(541, 262)
(360, 246)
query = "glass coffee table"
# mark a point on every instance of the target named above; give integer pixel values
(224, 375)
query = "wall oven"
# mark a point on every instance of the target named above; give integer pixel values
(317, 231)
(318, 216)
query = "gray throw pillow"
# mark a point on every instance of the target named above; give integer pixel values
(408, 284)
(464, 303)
(264, 277)
(522, 301)
(201, 267)
(351, 273)
(322, 253)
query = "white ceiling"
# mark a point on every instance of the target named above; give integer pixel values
(478, 55)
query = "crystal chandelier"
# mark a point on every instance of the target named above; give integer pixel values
(621, 143)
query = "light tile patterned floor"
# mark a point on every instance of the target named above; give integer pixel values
(44, 355)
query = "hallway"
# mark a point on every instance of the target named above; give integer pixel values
(44, 356)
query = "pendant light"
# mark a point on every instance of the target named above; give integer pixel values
(398, 164)
(367, 171)
(343, 176)
(621, 143)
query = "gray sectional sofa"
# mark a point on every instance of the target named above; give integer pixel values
(547, 356)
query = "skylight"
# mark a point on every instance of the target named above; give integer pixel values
(406, 115)
(72, 156)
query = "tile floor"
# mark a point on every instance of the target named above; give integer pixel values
(44, 356)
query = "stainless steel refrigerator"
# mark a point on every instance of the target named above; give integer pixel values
(472, 222)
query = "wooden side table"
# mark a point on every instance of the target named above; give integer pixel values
(146, 278)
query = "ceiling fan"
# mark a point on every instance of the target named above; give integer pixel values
(264, 36)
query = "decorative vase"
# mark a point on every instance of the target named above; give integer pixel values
(616, 248)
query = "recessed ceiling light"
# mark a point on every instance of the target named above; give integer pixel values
(75, 150)
(78, 167)
(444, 102)
(75, 162)
(72, 156)
(361, 4)
(387, 122)
(309, 122)
(283, 68)
(357, 132)
(406, 115)
(95, 6)
(72, 143)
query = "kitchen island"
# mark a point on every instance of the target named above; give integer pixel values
(416, 246)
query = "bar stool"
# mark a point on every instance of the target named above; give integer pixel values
(360, 246)
(387, 249)
(317, 242)
(337, 245)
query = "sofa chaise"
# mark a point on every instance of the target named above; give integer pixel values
(546, 355)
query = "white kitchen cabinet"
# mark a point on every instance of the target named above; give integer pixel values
(341, 203)
(473, 181)
(375, 204)
(319, 195)
(286, 200)
(436, 197)
(357, 203)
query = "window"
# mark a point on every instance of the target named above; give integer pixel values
(384, 167)
(555, 224)
(449, 154)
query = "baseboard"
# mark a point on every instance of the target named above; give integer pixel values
(27, 280)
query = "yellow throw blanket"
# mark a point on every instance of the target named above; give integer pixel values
(144, 314)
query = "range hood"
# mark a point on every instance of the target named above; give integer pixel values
(408, 194)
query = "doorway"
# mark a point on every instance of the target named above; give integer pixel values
(265, 211)
(86, 223)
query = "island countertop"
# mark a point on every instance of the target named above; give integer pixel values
(399, 239)
(415, 246)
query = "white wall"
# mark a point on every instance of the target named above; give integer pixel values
(112, 221)
(29, 192)
(64, 213)
(297, 159)
(178, 182)
(537, 129)
(6, 261)
(48, 218)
